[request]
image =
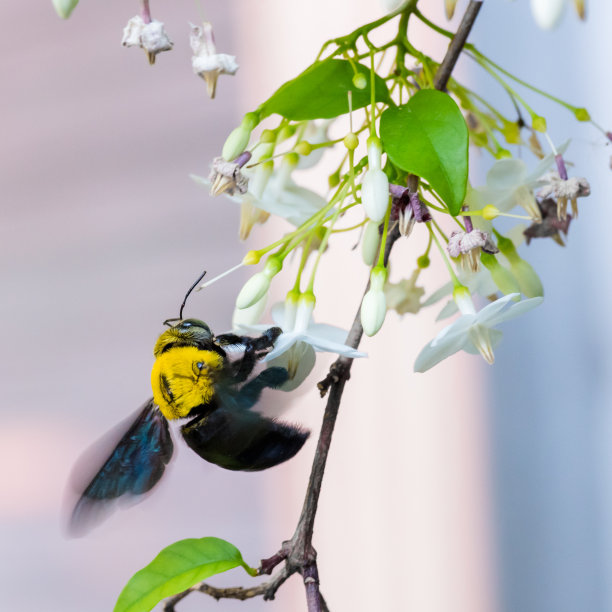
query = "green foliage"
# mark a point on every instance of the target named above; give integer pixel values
(429, 137)
(176, 568)
(320, 92)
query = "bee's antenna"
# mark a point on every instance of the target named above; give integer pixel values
(189, 292)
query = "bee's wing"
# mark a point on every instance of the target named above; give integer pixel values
(132, 468)
(236, 438)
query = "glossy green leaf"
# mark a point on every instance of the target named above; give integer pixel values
(428, 137)
(321, 92)
(176, 568)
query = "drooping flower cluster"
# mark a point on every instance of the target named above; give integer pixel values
(393, 188)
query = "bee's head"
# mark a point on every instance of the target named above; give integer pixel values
(184, 332)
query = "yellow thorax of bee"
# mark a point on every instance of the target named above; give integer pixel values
(183, 378)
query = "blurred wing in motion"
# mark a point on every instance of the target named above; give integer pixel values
(132, 468)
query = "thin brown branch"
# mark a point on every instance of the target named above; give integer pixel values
(266, 589)
(456, 45)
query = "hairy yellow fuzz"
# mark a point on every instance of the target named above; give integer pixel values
(183, 378)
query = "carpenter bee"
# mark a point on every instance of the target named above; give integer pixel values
(194, 378)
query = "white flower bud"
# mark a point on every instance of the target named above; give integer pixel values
(374, 153)
(236, 143)
(375, 194)
(373, 311)
(547, 13)
(392, 5)
(370, 243)
(253, 290)
(257, 286)
(374, 304)
(64, 7)
(449, 8)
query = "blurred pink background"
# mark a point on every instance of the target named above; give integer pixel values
(102, 231)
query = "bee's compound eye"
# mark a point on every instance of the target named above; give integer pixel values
(200, 365)
(185, 324)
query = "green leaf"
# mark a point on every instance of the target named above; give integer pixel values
(176, 568)
(428, 137)
(321, 92)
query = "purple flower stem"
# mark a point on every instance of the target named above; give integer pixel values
(243, 158)
(468, 223)
(561, 166)
(146, 11)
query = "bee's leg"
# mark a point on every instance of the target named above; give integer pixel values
(260, 343)
(270, 378)
(255, 349)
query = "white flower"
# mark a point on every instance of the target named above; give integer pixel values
(294, 317)
(564, 191)
(510, 184)
(473, 331)
(150, 36)
(281, 195)
(548, 13)
(206, 62)
(467, 246)
(480, 283)
(226, 177)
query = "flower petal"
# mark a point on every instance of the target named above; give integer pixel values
(445, 344)
(325, 345)
(488, 315)
(516, 310)
(283, 343)
(450, 308)
(329, 332)
(495, 336)
(506, 174)
(299, 361)
(438, 294)
(278, 314)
